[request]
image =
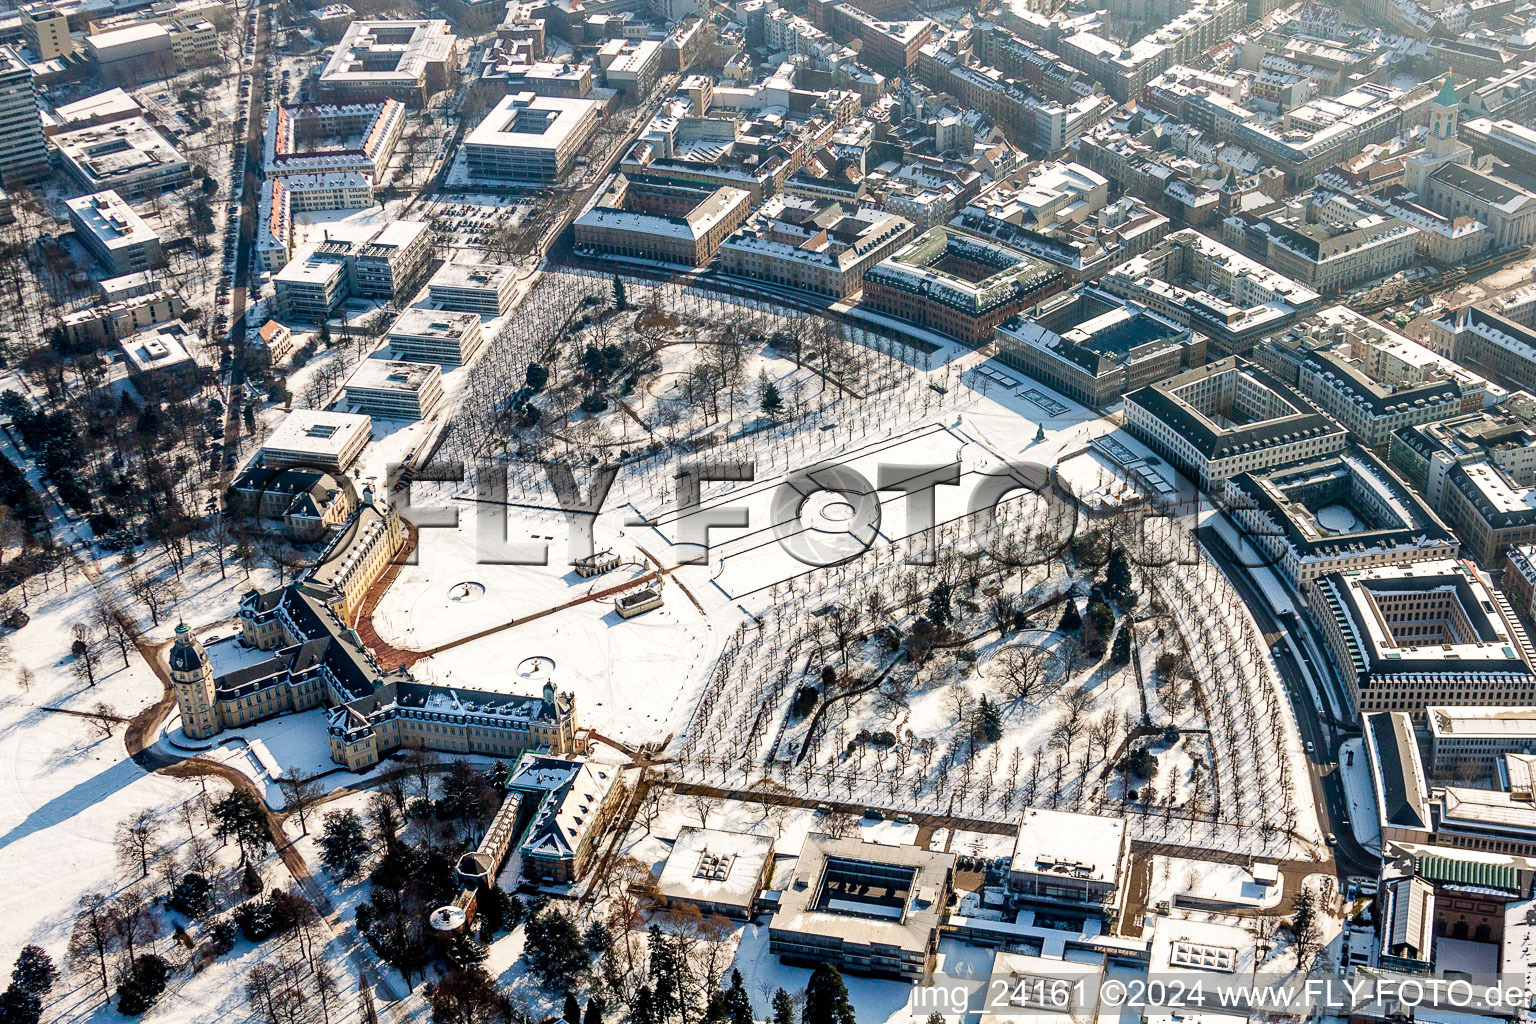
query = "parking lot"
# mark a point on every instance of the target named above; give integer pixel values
(468, 222)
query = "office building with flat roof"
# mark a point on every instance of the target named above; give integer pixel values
(530, 138)
(392, 389)
(117, 236)
(1475, 738)
(23, 149)
(718, 872)
(317, 439)
(405, 60)
(46, 30)
(863, 907)
(485, 288)
(1072, 859)
(130, 157)
(435, 336)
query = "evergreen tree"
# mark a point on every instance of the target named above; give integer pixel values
(192, 896)
(644, 1010)
(597, 938)
(1117, 575)
(18, 1006)
(620, 299)
(343, 841)
(783, 1007)
(324, 333)
(989, 720)
(142, 984)
(738, 1005)
(239, 817)
(1304, 927)
(771, 401)
(34, 971)
(594, 1014)
(826, 998)
(554, 948)
(938, 605)
(1071, 621)
(572, 1007)
(669, 974)
(536, 376)
(464, 951)
(1120, 654)
(500, 911)
(714, 1010)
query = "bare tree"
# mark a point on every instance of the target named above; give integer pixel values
(838, 824)
(85, 648)
(1023, 670)
(138, 837)
(300, 792)
(112, 629)
(90, 941)
(703, 806)
(103, 718)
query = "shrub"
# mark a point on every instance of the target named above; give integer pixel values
(191, 896)
(255, 919)
(142, 984)
(804, 702)
(221, 936)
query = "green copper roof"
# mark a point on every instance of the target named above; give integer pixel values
(1447, 97)
(1474, 873)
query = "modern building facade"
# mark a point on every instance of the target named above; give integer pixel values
(1228, 417)
(865, 908)
(395, 389)
(405, 60)
(116, 235)
(530, 138)
(23, 148)
(958, 285)
(435, 336)
(1407, 637)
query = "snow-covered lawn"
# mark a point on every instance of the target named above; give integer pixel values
(634, 679)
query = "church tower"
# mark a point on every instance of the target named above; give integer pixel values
(1441, 147)
(192, 679)
(1442, 123)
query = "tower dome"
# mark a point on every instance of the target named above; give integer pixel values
(187, 654)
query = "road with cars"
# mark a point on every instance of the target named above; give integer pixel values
(239, 236)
